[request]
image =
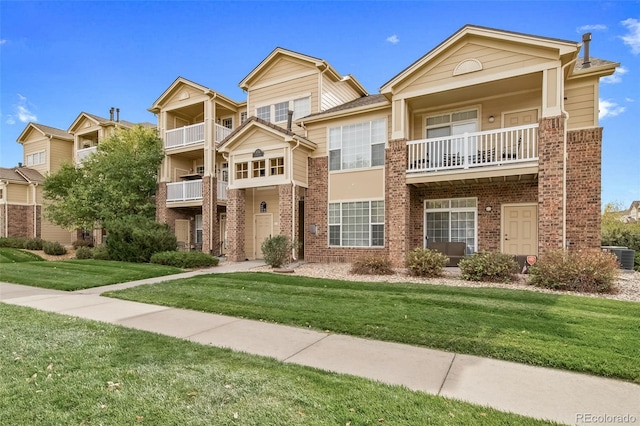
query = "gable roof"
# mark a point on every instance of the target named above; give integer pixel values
(320, 64)
(255, 121)
(98, 121)
(564, 47)
(181, 81)
(20, 175)
(47, 131)
(356, 105)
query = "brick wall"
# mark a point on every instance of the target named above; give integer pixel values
(397, 206)
(285, 197)
(236, 210)
(167, 215)
(20, 221)
(550, 189)
(584, 188)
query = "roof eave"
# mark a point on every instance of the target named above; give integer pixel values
(344, 112)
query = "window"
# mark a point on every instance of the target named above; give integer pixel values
(243, 117)
(455, 123)
(200, 170)
(452, 220)
(227, 123)
(198, 229)
(356, 224)
(357, 145)
(35, 158)
(276, 166)
(264, 113)
(242, 170)
(259, 169)
(301, 107)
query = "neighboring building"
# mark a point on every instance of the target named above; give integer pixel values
(490, 139)
(632, 214)
(45, 148)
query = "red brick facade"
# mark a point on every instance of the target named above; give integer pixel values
(397, 202)
(21, 220)
(236, 210)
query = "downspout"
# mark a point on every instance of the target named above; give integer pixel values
(293, 204)
(35, 210)
(564, 156)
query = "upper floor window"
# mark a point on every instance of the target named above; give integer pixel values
(242, 170)
(301, 107)
(455, 123)
(36, 158)
(357, 145)
(276, 166)
(243, 117)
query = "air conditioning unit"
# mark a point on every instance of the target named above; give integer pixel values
(625, 256)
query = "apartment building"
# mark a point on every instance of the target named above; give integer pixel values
(491, 139)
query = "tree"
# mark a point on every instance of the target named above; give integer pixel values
(118, 180)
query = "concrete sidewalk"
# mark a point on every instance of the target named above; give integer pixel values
(532, 391)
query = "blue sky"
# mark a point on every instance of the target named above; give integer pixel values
(59, 58)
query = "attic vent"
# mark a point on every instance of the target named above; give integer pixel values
(467, 66)
(183, 96)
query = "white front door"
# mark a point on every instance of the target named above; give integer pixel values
(263, 229)
(520, 229)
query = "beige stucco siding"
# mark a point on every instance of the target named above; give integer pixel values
(493, 60)
(580, 104)
(335, 93)
(356, 185)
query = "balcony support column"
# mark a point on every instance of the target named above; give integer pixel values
(236, 211)
(397, 202)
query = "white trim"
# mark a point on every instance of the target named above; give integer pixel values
(449, 210)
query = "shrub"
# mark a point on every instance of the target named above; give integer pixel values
(84, 253)
(489, 266)
(53, 248)
(13, 242)
(82, 243)
(137, 238)
(33, 244)
(372, 265)
(184, 259)
(100, 252)
(589, 271)
(423, 262)
(277, 250)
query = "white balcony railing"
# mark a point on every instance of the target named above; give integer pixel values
(221, 132)
(192, 190)
(222, 190)
(184, 136)
(184, 191)
(83, 153)
(478, 149)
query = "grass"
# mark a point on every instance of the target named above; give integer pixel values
(589, 335)
(11, 255)
(78, 274)
(64, 370)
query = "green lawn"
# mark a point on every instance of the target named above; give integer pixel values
(11, 255)
(583, 334)
(78, 274)
(60, 370)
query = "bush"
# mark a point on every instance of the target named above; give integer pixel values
(13, 242)
(53, 248)
(33, 244)
(84, 253)
(277, 250)
(423, 262)
(184, 259)
(100, 252)
(136, 239)
(590, 271)
(82, 243)
(489, 266)
(372, 265)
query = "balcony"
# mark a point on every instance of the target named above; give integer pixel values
(191, 190)
(82, 154)
(192, 135)
(474, 152)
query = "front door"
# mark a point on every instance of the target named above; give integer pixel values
(520, 229)
(263, 229)
(223, 233)
(183, 233)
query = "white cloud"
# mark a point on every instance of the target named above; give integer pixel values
(632, 38)
(3, 41)
(609, 109)
(616, 77)
(596, 27)
(393, 39)
(22, 112)
(629, 99)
